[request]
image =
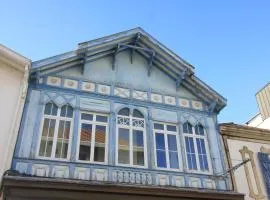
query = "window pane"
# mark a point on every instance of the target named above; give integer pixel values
(171, 128)
(85, 116)
(173, 160)
(160, 142)
(85, 142)
(123, 156)
(199, 130)
(65, 148)
(161, 158)
(48, 108)
(158, 126)
(58, 150)
(100, 134)
(45, 129)
(61, 129)
(66, 111)
(101, 118)
(54, 109)
(123, 137)
(51, 127)
(172, 145)
(99, 152)
(42, 147)
(137, 138)
(49, 148)
(124, 111)
(137, 114)
(190, 150)
(187, 128)
(69, 112)
(67, 130)
(202, 154)
(138, 156)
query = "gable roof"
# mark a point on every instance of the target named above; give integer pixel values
(140, 41)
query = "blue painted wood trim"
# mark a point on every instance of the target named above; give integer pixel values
(265, 167)
(75, 134)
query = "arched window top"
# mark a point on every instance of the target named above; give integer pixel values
(187, 128)
(199, 129)
(124, 112)
(66, 111)
(50, 109)
(137, 113)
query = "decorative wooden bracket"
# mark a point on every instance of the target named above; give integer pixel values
(212, 106)
(135, 44)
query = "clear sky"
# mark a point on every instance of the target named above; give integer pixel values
(228, 42)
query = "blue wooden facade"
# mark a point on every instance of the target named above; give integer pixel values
(132, 71)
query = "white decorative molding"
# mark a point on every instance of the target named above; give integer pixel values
(209, 184)
(170, 100)
(60, 172)
(88, 86)
(21, 167)
(157, 98)
(162, 179)
(195, 182)
(139, 95)
(183, 103)
(178, 181)
(122, 92)
(100, 175)
(132, 177)
(104, 89)
(54, 81)
(82, 173)
(40, 170)
(197, 105)
(68, 83)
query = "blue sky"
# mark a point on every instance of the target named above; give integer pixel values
(227, 41)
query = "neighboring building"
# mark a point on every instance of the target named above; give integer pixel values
(14, 71)
(241, 143)
(120, 117)
(262, 119)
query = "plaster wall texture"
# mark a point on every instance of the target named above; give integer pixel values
(10, 84)
(128, 74)
(240, 174)
(259, 122)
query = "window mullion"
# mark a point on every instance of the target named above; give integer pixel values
(196, 153)
(55, 134)
(166, 149)
(130, 141)
(93, 137)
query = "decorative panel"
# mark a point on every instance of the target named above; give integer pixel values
(162, 179)
(164, 115)
(132, 177)
(178, 181)
(100, 175)
(104, 89)
(184, 103)
(22, 167)
(94, 105)
(197, 105)
(122, 92)
(139, 95)
(82, 173)
(60, 172)
(89, 87)
(194, 182)
(68, 83)
(169, 100)
(157, 98)
(55, 81)
(40, 170)
(209, 184)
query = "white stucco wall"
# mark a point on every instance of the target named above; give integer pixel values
(259, 123)
(240, 174)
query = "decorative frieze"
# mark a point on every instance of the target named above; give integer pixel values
(82, 173)
(209, 184)
(22, 167)
(100, 175)
(162, 179)
(88, 86)
(195, 182)
(178, 181)
(122, 92)
(72, 84)
(132, 177)
(60, 172)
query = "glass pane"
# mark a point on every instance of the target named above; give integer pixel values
(138, 156)
(192, 164)
(45, 127)
(65, 148)
(174, 160)
(69, 112)
(58, 149)
(61, 129)
(42, 147)
(199, 130)
(51, 127)
(54, 109)
(158, 126)
(160, 142)
(67, 130)
(187, 128)
(100, 134)
(48, 109)
(49, 148)
(161, 159)
(101, 118)
(99, 154)
(123, 156)
(85, 116)
(172, 145)
(85, 142)
(137, 114)
(137, 138)
(124, 111)
(63, 112)
(123, 137)
(171, 128)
